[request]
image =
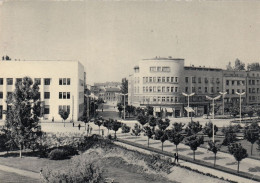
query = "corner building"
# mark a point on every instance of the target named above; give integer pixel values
(61, 85)
(158, 82)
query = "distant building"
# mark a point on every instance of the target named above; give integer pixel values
(61, 85)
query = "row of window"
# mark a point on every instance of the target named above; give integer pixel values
(253, 90)
(235, 82)
(232, 91)
(159, 89)
(253, 82)
(64, 107)
(64, 81)
(160, 69)
(62, 95)
(199, 80)
(10, 81)
(160, 99)
(160, 79)
(200, 90)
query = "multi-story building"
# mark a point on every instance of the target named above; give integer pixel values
(61, 85)
(253, 88)
(158, 82)
(234, 81)
(203, 82)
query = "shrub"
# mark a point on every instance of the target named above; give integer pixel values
(58, 154)
(80, 170)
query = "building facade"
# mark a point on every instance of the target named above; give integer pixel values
(161, 82)
(61, 85)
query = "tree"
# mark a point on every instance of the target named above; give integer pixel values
(124, 86)
(253, 66)
(84, 119)
(130, 109)
(142, 119)
(208, 129)
(251, 134)
(115, 126)
(162, 125)
(230, 134)
(125, 128)
(213, 147)
(64, 115)
(120, 108)
(24, 109)
(137, 130)
(108, 124)
(258, 113)
(239, 66)
(178, 127)
(149, 110)
(238, 152)
(175, 137)
(148, 132)
(161, 135)
(99, 122)
(193, 128)
(229, 67)
(152, 122)
(194, 142)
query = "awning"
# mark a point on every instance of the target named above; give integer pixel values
(157, 109)
(189, 109)
(169, 109)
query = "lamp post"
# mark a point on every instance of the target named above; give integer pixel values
(223, 96)
(213, 130)
(124, 101)
(188, 95)
(240, 95)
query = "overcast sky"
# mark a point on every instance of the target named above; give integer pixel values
(110, 37)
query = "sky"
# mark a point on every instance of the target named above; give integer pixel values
(110, 37)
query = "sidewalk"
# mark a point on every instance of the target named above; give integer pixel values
(226, 160)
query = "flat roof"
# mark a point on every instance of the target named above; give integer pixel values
(202, 68)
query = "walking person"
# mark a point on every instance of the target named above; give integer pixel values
(73, 124)
(175, 157)
(102, 132)
(90, 130)
(79, 126)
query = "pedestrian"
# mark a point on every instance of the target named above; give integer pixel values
(79, 126)
(90, 130)
(41, 172)
(175, 157)
(102, 132)
(52, 119)
(73, 124)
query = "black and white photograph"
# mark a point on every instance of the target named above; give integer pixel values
(129, 91)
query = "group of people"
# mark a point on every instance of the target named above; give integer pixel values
(89, 128)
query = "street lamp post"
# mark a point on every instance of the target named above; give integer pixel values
(188, 95)
(240, 95)
(124, 101)
(213, 99)
(223, 96)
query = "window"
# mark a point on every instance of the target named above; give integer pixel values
(167, 99)
(154, 89)
(143, 79)
(186, 79)
(193, 79)
(217, 81)
(206, 89)
(163, 89)
(171, 99)
(159, 79)
(64, 95)
(233, 82)
(47, 81)
(233, 91)
(206, 80)
(150, 79)
(68, 95)
(176, 79)
(158, 99)
(146, 79)
(1, 81)
(227, 91)
(60, 95)
(212, 89)
(243, 82)
(154, 79)
(68, 81)
(193, 89)
(68, 108)
(60, 81)
(163, 99)
(176, 99)
(168, 79)
(46, 109)
(166, 69)
(238, 90)
(238, 83)
(152, 69)
(46, 95)
(37, 81)
(154, 99)
(150, 89)
(9, 81)
(1, 94)
(18, 80)
(143, 89)
(199, 80)
(159, 69)
(172, 78)
(186, 89)
(227, 82)
(172, 89)
(163, 79)
(199, 89)
(168, 89)
(158, 89)
(176, 89)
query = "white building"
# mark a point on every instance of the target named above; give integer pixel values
(61, 85)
